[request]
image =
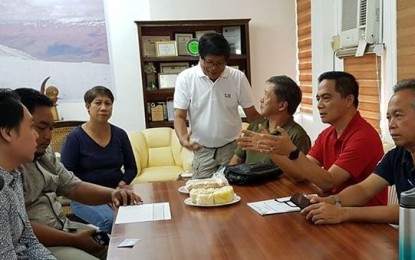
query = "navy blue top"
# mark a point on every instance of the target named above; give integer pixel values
(96, 164)
(397, 168)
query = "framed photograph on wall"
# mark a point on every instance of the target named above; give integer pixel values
(167, 80)
(182, 39)
(166, 49)
(173, 67)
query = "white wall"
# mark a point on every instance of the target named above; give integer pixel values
(272, 42)
(389, 62)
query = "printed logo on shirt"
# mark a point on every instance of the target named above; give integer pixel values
(227, 95)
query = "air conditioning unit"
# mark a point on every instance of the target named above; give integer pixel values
(361, 20)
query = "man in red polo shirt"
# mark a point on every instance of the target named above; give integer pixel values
(343, 154)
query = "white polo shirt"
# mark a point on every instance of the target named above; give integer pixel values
(213, 106)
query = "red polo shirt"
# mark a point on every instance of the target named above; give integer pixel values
(357, 151)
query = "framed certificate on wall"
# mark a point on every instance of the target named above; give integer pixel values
(167, 80)
(182, 39)
(166, 49)
(149, 44)
(173, 67)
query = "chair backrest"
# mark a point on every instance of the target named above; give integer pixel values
(156, 147)
(163, 147)
(60, 132)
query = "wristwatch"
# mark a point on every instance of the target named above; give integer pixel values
(294, 154)
(337, 201)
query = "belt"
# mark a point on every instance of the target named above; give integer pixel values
(216, 148)
(220, 146)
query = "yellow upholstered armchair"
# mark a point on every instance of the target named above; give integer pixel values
(159, 155)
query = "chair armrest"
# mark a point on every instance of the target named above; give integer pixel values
(187, 158)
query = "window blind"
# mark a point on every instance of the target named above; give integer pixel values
(405, 39)
(366, 69)
(304, 54)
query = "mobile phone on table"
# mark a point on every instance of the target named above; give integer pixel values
(300, 200)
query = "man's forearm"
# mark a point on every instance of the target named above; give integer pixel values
(49, 236)
(180, 127)
(302, 168)
(91, 194)
(375, 214)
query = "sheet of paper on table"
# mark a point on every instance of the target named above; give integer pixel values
(144, 212)
(274, 206)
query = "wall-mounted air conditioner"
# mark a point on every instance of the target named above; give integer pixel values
(361, 21)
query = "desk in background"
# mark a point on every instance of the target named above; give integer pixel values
(238, 232)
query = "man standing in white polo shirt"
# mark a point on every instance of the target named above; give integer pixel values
(210, 94)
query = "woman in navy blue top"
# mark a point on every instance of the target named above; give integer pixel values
(96, 152)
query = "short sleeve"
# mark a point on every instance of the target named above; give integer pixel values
(316, 150)
(359, 154)
(181, 92)
(385, 168)
(303, 143)
(246, 98)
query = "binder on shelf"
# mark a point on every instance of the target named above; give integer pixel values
(165, 110)
(170, 109)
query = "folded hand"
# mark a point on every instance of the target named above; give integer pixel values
(323, 212)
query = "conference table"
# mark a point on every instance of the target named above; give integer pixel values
(238, 232)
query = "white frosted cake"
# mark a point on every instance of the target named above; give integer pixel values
(212, 196)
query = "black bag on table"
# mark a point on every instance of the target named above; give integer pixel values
(245, 174)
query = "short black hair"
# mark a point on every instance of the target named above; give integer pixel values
(31, 99)
(287, 90)
(214, 44)
(91, 94)
(346, 84)
(11, 110)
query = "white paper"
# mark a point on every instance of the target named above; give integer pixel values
(144, 212)
(274, 206)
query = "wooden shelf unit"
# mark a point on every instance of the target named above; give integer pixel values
(170, 28)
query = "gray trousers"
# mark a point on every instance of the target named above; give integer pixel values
(207, 160)
(70, 253)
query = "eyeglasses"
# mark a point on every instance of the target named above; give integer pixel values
(212, 64)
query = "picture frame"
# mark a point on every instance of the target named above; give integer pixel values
(233, 35)
(166, 49)
(182, 39)
(173, 67)
(167, 80)
(149, 44)
(200, 33)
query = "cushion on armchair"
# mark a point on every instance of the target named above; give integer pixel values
(159, 155)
